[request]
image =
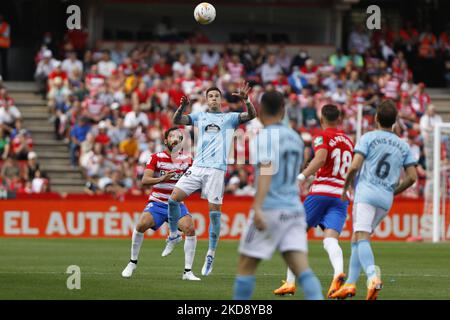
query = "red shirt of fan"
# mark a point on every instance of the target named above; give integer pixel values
(161, 163)
(330, 178)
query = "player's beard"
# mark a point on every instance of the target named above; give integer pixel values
(214, 107)
(174, 147)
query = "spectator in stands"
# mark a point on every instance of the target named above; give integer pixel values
(238, 184)
(10, 169)
(428, 122)
(10, 116)
(235, 68)
(130, 146)
(106, 66)
(32, 166)
(94, 109)
(136, 118)
(78, 135)
(39, 184)
(57, 99)
(57, 73)
(22, 145)
(270, 69)
(210, 58)
(181, 66)
(338, 60)
(71, 63)
(4, 144)
(43, 69)
(284, 59)
(118, 54)
(358, 40)
(102, 136)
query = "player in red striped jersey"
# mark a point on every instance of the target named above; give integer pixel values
(323, 205)
(162, 172)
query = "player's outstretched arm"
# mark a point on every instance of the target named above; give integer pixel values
(316, 163)
(178, 117)
(149, 180)
(242, 94)
(357, 162)
(408, 181)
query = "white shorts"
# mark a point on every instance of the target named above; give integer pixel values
(286, 231)
(211, 181)
(367, 217)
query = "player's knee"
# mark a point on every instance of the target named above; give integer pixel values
(142, 227)
(189, 230)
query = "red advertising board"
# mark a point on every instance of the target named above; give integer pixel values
(103, 217)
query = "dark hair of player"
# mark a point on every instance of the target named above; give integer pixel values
(330, 112)
(213, 89)
(387, 113)
(166, 134)
(272, 102)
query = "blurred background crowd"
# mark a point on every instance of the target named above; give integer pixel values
(111, 107)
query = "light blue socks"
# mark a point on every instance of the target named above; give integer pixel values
(355, 265)
(173, 216)
(366, 258)
(214, 229)
(243, 287)
(311, 285)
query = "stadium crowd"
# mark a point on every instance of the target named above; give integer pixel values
(112, 107)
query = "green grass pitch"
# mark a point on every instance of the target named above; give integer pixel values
(35, 269)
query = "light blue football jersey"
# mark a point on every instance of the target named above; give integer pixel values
(215, 134)
(284, 148)
(385, 154)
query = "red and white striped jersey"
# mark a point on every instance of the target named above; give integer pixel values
(330, 178)
(161, 163)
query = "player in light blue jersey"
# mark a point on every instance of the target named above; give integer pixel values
(379, 158)
(215, 132)
(278, 219)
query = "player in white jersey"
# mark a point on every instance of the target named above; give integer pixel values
(278, 217)
(162, 172)
(379, 158)
(215, 134)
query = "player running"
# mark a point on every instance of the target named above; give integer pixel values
(278, 218)
(215, 132)
(323, 205)
(380, 155)
(162, 171)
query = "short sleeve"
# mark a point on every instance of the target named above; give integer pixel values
(194, 117)
(409, 159)
(319, 142)
(235, 119)
(151, 163)
(362, 147)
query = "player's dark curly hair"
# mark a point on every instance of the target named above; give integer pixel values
(330, 112)
(166, 134)
(387, 113)
(213, 89)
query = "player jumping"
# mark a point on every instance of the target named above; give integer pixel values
(162, 171)
(323, 205)
(380, 155)
(215, 131)
(278, 218)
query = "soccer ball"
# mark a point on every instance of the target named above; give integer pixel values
(205, 13)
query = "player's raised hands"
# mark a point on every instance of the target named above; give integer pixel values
(184, 102)
(243, 91)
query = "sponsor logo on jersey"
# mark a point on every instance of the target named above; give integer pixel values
(212, 128)
(318, 141)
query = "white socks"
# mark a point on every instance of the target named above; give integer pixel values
(290, 277)
(136, 242)
(331, 245)
(211, 253)
(190, 244)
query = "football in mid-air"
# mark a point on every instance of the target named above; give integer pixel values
(205, 13)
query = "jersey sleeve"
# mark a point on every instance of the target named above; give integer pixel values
(409, 159)
(194, 117)
(362, 147)
(319, 142)
(151, 163)
(234, 116)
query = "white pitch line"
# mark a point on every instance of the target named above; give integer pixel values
(217, 274)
